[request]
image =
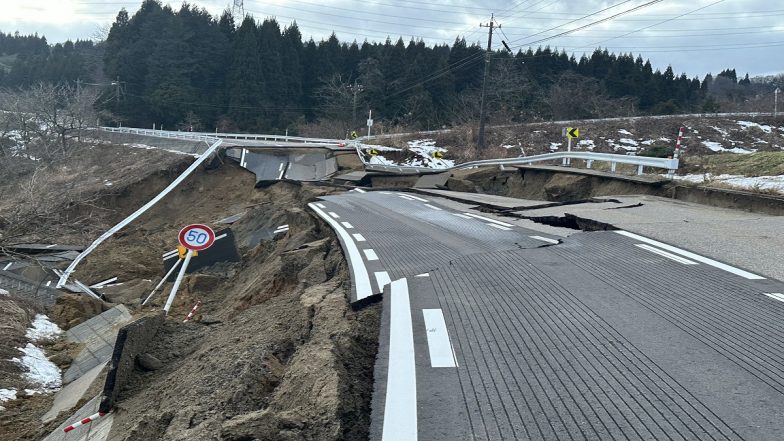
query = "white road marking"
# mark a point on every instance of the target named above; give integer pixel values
(242, 158)
(476, 216)
(359, 190)
(280, 167)
(347, 225)
(670, 256)
(370, 254)
(103, 283)
(282, 172)
(400, 403)
(433, 207)
(441, 352)
(692, 256)
(462, 215)
(499, 227)
(280, 227)
(423, 275)
(385, 192)
(382, 279)
(359, 271)
(333, 214)
(775, 296)
(358, 237)
(8, 266)
(222, 236)
(48, 284)
(51, 246)
(320, 205)
(406, 197)
(545, 239)
(417, 198)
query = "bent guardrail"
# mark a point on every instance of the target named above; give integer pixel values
(640, 161)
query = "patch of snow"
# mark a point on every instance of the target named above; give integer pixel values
(555, 146)
(759, 141)
(775, 183)
(4, 292)
(625, 132)
(425, 149)
(41, 373)
(7, 394)
(696, 132)
(723, 132)
(107, 183)
(616, 147)
(717, 147)
(628, 141)
(747, 124)
(508, 146)
(42, 329)
(588, 144)
(380, 160)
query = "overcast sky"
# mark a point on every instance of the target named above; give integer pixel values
(694, 36)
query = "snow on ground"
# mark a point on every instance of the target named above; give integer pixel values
(721, 131)
(717, 147)
(555, 146)
(587, 144)
(628, 141)
(380, 160)
(625, 132)
(7, 395)
(42, 375)
(425, 148)
(775, 183)
(42, 329)
(747, 124)
(623, 145)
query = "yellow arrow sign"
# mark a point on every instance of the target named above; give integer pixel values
(438, 154)
(573, 132)
(373, 152)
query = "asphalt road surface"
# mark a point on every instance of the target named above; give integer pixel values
(491, 331)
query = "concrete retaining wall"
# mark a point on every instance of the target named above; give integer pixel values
(132, 340)
(26, 288)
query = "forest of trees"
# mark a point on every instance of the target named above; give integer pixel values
(187, 69)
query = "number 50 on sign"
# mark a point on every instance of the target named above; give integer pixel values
(197, 237)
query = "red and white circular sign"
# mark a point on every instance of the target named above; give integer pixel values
(197, 237)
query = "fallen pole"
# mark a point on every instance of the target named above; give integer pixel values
(177, 282)
(84, 421)
(157, 287)
(193, 311)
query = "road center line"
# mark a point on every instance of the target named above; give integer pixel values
(320, 205)
(347, 225)
(775, 296)
(663, 253)
(476, 216)
(359, 190)
(433, 207)
(334, 215)
(499, 227)
(441, 352)
(359, 271)
(358, 237)
(545, 239)
(417, 198)
(382, 279)
(692, 256)
(370, 254)
(400, 405)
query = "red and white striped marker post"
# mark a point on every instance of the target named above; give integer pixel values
(678, 145)
(87, 420)
(193, 311)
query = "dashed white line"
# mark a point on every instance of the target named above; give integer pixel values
(692, 256)
(358, 269)
(382, 279)
(370, 254)
(406, 197)
(400, 403)
(358, 237)
(462, 215)
(775, 296)
(320, 205)
(441, 352)
(417, 198)
(497, 222)
(500, 227)
(242, 158)
(8, 266)
(433, 207)
(663, 253)
(280, 167)
(385, 192)
(545, 239)
(359, 190)
(347, 225)
(423, 275)
(334, 215)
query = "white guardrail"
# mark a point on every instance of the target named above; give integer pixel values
(640, 161)
(192, 136)
(208, 136)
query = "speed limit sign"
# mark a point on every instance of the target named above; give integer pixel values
(197, 237)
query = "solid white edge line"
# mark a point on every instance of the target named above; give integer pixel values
(462, 215)
(334, 215)
(417, 198)
(400, 403)
(476, 216)
(775, 296)
(280, 167)
(663, 253)
(499, 227)
(545, 239)
(423, 275)
(692, 256)
(360, 273)
(347, 225)
(433, 207)
(382, 279)
(440, 347)
(406, 197)
(358, 237)
(370, 254)
(359, 190)
(385, 192)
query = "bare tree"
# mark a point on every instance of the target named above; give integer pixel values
(336, 100)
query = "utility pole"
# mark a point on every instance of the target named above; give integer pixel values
(238, 7)
(481, 140)
(776, 102)
(356, 88)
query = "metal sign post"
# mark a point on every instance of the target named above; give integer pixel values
(570, 133)
(194, 238)
(776, 102)
(370, 121)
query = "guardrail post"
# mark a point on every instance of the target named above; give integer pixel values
(612, 167)
(639, 169)
(588, 163)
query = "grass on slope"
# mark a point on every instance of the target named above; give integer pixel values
(754, 164)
